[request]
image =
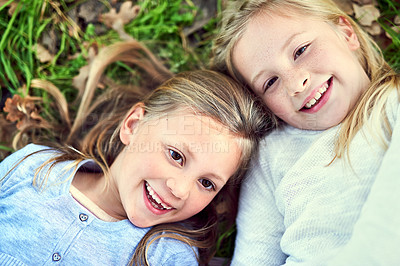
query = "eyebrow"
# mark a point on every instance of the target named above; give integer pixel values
(256, 78)
(286, 44)
(219, 178)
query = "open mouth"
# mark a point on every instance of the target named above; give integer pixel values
(318, 96)
(155, 200)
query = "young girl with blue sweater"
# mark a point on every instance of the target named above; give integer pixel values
(141, 185)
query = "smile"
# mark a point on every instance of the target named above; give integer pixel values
(155, 200)
(317, 97)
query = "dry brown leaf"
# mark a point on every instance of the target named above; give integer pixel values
(11, 107)
(90, 9)
(374, 29)
(117, 21)
(13, 6)
(366, 14)
(20, 110)
(42, 53)
(126, 13)
(79, 81)
(119, 28)
(397, 20)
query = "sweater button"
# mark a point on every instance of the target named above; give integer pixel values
(56, 257)
(83, 217)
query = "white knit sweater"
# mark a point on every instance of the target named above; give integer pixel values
(295, 209)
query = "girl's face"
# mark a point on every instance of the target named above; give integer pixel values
(171, 167)
(305, 70)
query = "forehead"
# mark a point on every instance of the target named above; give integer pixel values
(269, 29)
(186, 122)
(267, 36)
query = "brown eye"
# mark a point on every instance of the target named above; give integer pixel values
(176, 156)
(269, 83)
(207, 184)
(300, 51)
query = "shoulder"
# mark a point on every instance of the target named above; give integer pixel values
(23, 163)
(280, 149)
(288, 139)
(25, 156)
(28, 150)
(169, 251)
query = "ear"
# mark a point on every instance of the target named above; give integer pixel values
(130, 122)
(350, 36)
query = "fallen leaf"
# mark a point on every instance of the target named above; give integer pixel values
(374, 29)
(20, 110)
(117, 21)
(126, 13)
(42, 53)
(118, 26)
(50, 39)
(89, 10)
(366, 14)
(11, 107)
(397, 20)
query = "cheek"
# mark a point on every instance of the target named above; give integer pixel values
(278, 104)
(197, 204)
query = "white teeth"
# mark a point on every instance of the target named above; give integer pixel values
(317, 95)
(156, 198)
(323, 89)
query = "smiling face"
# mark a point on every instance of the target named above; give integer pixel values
(305, 70)
(171, 168)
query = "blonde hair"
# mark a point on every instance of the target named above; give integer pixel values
(206, 92)
(383, 78)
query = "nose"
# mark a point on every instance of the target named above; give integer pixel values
(297, 82)
(179, 187)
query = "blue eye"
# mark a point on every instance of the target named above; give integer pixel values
(207, 184)
(176, 156)
(269, 83)
(300, 51)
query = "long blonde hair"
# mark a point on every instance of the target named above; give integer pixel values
(383, 78)
(94, 134)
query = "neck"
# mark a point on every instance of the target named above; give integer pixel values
(95, 187)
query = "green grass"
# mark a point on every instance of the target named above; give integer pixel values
(389, 10)
(159, 25)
